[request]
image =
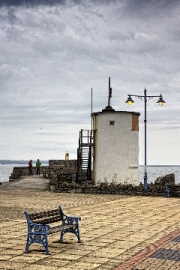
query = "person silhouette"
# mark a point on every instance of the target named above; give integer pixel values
(30, 167)
(38, 165)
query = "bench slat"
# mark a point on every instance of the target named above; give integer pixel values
(46, 217)
(61, 228)
(47, 220)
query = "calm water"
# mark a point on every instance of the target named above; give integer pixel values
(156, 171)
(153, 172)
(6, 170)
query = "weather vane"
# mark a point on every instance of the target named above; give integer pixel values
(110, 92)
(108, 107)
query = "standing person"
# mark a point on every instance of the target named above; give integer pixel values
(30, 167)
(38, 164)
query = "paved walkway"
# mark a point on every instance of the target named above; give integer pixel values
(27, 182)
(117, 232)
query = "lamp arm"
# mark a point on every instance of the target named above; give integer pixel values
(143, 96)
(153, 96)
(135, 96)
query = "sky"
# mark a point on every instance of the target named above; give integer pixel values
(53, 52)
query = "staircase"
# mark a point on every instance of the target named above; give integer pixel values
(84, 156)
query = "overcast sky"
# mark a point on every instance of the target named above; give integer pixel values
(53, 52)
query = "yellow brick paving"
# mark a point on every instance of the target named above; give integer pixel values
(113, 229)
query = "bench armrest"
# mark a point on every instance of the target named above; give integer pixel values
(35, 227)
(69, 219)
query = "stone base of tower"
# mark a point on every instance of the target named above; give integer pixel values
(124, 177)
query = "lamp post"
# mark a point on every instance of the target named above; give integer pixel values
(145, 98)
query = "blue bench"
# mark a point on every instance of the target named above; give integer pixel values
(39, 228)
(172, 190)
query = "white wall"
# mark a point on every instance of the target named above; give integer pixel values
(116, 150)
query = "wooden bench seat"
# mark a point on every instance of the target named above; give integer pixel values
(39, 228)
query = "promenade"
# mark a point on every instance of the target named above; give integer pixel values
(117, 232)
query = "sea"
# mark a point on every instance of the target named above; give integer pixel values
(7, 169)
(153, 172)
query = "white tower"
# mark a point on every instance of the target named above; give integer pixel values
(116, 146)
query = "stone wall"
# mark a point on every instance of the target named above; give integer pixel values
(106, 188)
(24, 171)
(57, 169)
(60, 162)
(167, 179)
(157, 189)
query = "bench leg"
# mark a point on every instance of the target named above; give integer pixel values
(37, 239)
(44, 242)
(61, 236)
(46, 246)
(78, 236)
(75, 231)
(27, 245)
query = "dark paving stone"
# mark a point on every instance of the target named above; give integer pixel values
(156, 251)
(177, 239)
(166, 254)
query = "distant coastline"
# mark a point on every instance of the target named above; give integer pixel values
(7, 162)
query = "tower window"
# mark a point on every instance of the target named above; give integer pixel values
(111, 123)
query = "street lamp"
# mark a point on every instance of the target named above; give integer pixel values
(130, 101)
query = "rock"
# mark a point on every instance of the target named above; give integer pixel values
(52, 188)
(167, 179)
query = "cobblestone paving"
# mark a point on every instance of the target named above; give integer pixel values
(114, 229)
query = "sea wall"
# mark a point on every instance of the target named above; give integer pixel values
(24, 171)
(55, 168)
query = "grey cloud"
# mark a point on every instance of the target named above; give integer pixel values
(51, 56)
(30, 2)
(56, 148)
(47, 2)
(150, 8)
